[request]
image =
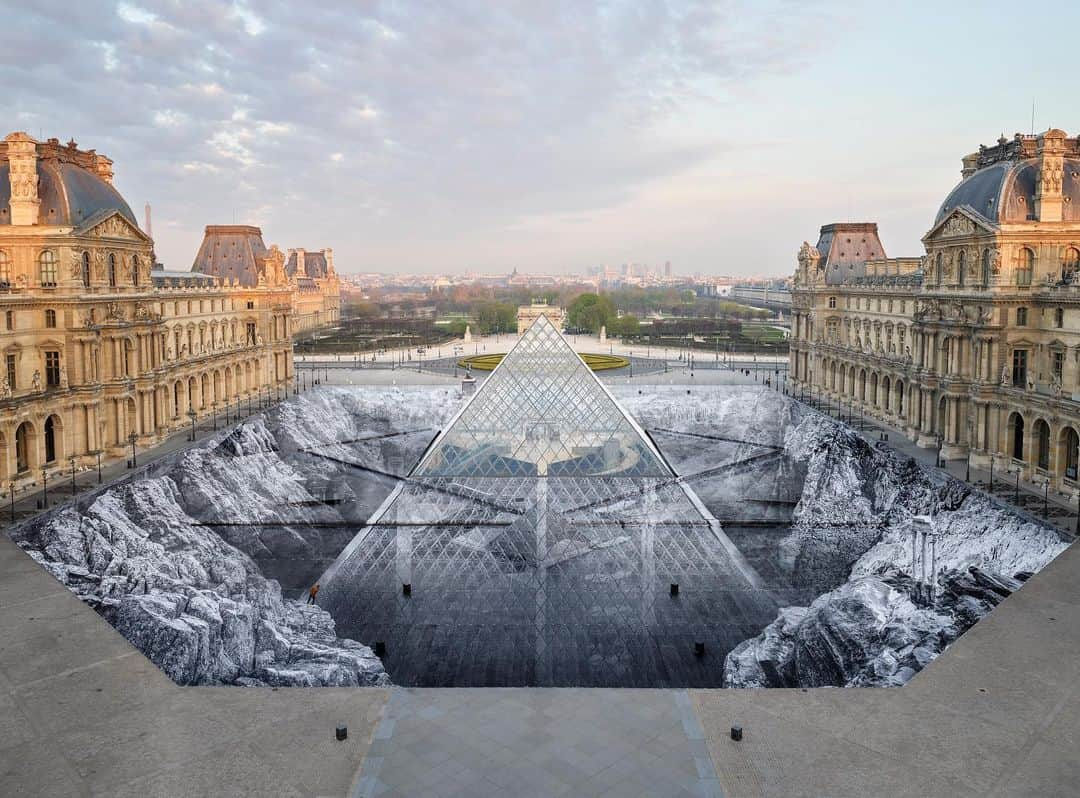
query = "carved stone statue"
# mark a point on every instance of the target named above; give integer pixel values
(5, 388)
(63, 376)
(35, 383)
(1005, 376)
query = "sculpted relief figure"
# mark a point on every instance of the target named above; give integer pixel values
(35, 383)
(1005, 377)
(5, 388)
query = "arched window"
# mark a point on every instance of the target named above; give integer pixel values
(986, 267)
(47, 268)
(5, 269)
(50, 318)
(22, 447)
(1025, 266)
(112, 270)
(135, 270)
(961, 267)
(1016, 432)
(939, 268)
(1042, 436)
(1071, 444)
(86, 269)
(50, 440)
(1070, 264)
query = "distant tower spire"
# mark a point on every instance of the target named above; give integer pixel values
(148, 226)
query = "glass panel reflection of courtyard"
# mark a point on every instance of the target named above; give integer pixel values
(537, 542)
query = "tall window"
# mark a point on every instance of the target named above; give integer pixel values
(939, 268)
(112, 270)
(9, 320)
(1025, 266)
(986, 267)
(135, 270)
(5, 269)
(50, 318)
(961, 267)
(1019, 364)
(1070, 264)
(12, 372)
(50, 440)
(1057, 364)
(86, 269)
(1059, 317)
(47, 268)
(1021, 317)
(251, 332)
(832, 302)
(52, 369)
(1072, 443)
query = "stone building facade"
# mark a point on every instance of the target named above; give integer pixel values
(316, 288)
(99, 346)
(975, 345)
(237, 252)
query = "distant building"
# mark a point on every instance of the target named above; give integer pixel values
(527, 314)
(974, 346)
(236, 252)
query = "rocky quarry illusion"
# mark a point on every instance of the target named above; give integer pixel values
(791, 538)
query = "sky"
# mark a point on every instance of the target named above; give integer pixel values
(459, 135)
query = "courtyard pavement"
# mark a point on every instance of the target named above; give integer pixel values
(83, 713)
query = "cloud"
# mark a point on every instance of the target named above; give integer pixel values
(387, 122)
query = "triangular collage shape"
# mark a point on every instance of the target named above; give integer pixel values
(539, 535)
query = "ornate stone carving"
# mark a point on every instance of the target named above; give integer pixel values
(957, 225)
(35, 382)
(114, 311)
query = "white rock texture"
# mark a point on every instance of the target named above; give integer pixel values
(855, 514)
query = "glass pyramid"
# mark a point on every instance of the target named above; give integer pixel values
(539, 536)
(542, 413)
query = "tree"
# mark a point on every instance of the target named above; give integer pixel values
(627, 327)
(495, 317)
(590, 312)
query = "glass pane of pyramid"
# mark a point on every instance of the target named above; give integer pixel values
(539, 536)
(542, 412)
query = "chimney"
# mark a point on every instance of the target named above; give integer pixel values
(300, 270)
(22, 158)
(1051, 153)
(148, 226)
(329, 260)
(970, 165)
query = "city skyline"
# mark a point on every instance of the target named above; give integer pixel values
(552, 140)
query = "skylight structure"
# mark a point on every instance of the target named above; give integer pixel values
(536, 542)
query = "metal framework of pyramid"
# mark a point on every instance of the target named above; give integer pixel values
(538, 536)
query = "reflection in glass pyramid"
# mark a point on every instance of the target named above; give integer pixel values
(539, 536)
(542, 412)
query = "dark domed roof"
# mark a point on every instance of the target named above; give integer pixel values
(1005, 192)
(69, 194)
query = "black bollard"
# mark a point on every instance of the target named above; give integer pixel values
(736, 733)
(341, 732)
(406, 589)
(674, 588)
(699, 649)
(380, 648)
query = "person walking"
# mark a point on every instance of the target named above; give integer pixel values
(312, 593)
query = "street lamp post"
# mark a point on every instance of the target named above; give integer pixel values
(72, 461)
(44, 487)
(11, 493)
(1046, 498)
(132, 438)
(213, 414)
(991, 475)
(191, 414)
(1016, 499)
(97, 453)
